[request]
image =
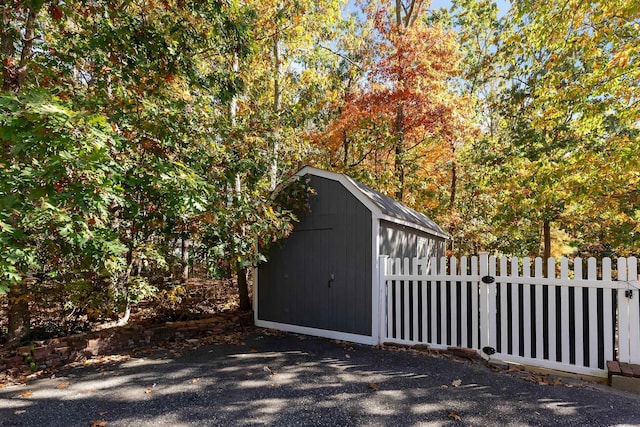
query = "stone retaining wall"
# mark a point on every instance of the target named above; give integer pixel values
(52, 353)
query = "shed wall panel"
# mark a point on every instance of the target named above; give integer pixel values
(320, 276)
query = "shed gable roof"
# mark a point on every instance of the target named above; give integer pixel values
(382, 206)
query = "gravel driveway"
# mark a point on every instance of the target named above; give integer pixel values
(292, 380)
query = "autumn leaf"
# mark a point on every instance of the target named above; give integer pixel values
(456, 383)
(269, 370)
(195, 380)
(62, 386)
(454, 415)
(148, 391)
(373, 386)
(98, 423)
(26, 394)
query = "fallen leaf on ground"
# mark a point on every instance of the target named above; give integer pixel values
(454, 415)
(88, 391)
(373, 386)
(20, 412)
(98, 423)
(269, 370)
(148, 391)
(1, 385)
(62, 385)
(456, 383)
(253, 350)
(26, 394)
(195, 380)
(103, 412)
(444, 386)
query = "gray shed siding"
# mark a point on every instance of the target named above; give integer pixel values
(399, 241)
(333, 239)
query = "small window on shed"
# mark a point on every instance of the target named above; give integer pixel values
(421, 251)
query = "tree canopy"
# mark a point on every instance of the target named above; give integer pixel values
(133, 133)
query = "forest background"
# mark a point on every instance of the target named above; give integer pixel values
(141, 137)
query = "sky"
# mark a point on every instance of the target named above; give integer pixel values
(503, 5)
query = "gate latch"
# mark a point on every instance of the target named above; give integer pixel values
(488, 279)
(628, 293)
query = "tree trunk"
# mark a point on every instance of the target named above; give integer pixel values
(184, 252)
(15, 71)
(399, 158)
(277, 106)
(546, 250)
(19, 318)
(452, 199)
(243, 288)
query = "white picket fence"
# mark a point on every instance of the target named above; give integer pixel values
(575, 322)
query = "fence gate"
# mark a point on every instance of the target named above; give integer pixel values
(574, 318)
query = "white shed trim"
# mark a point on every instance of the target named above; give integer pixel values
(334, 335)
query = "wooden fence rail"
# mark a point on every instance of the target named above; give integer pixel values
(571, 319)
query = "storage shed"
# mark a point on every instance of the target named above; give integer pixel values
(322, 280)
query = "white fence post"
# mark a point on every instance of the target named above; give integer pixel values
(634, 310)
(382, 298)
(484, 299)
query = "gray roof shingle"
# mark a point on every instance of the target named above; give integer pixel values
(398, 210)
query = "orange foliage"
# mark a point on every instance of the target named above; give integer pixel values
(405, 111)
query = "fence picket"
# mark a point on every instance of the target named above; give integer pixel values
(425, 314)
(592, 313)
(551, 305)
(453, 286)
(442, 269)
(504, 329)
(493, 312)
(578, 306)
(397, 333)
(526, 307)
(389, 293)
(475, 333)
(515, 308)
(464, 304)
(434, 305)
(564, 316)
(414, 302)
(405, 292)
(608, 328)
(539, 311)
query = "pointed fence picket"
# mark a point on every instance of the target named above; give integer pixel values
(572, 319)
